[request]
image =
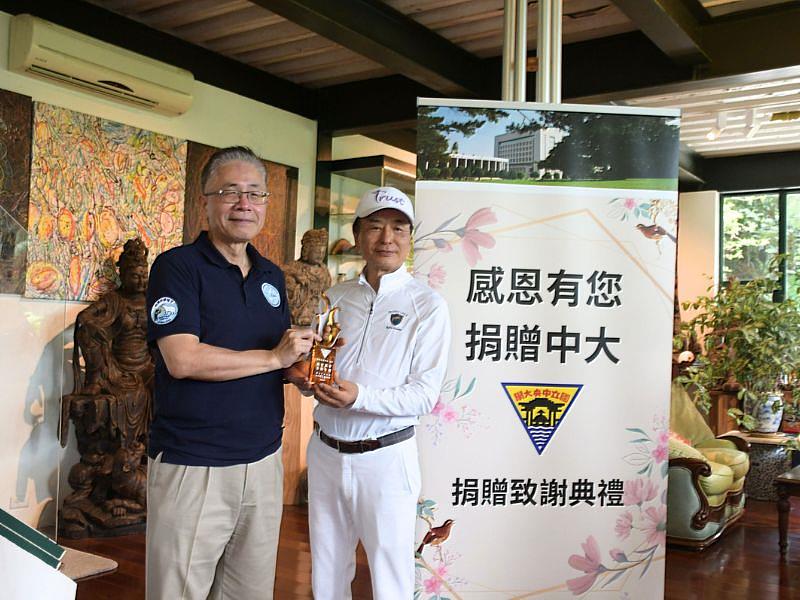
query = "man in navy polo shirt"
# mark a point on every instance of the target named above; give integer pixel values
(219, 330)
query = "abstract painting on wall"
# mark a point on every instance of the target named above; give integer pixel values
(95, 184)
(16, 113)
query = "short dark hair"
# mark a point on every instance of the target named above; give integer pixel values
(226, 155)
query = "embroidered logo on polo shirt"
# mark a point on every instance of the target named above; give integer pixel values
(271, 294)
(164, 311)
(396, 320)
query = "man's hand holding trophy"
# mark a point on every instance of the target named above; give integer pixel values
(319, 367)
(322, 366)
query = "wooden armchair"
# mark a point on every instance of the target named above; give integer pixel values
(706, 476)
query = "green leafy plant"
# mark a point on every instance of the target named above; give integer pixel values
(750, 345)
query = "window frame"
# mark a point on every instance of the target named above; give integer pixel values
(783, 232)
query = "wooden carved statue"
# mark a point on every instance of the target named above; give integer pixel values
(308, 277)
(110, 407)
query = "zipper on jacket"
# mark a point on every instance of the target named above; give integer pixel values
(364, 335)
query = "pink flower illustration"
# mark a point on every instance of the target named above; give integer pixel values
(624, 525)
(438, 407)
(472, 239)
(618, 555)
(436, 276)
(663, 438)
(629, 203)
(481, 217)
(660, 453)
(589, 563)
(581, 585)
(433, 585)
(441, 571)
(639, 491)
(654, 525)
(449, 415)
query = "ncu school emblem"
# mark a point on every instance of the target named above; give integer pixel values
(396, 318)
(541, 408)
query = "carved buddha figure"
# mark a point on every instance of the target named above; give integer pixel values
(111, 404)
(308, 277)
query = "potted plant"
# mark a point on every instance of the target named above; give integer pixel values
(749, 345)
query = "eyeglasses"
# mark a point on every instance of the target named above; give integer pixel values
(233, 196)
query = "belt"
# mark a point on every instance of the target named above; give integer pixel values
(360, 446)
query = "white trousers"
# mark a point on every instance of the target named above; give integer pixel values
(212, 532)
(370, 497)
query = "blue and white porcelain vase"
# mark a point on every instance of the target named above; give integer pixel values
(768, 414)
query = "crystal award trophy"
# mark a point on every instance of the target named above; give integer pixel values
(323, 353)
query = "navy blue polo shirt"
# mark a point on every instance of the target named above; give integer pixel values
(194, 289)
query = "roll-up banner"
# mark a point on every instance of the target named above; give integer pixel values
(551, 232)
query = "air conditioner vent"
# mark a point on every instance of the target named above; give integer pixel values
(42, 49)
(97, 88)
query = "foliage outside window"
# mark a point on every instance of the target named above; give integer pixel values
(756, 228)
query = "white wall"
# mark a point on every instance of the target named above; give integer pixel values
(36, 335)
(355, 146)
(698, 246)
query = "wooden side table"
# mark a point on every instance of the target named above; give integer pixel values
(787, 484)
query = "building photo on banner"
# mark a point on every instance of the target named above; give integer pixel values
(551, 232)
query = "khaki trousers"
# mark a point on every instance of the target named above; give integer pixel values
(212, 532)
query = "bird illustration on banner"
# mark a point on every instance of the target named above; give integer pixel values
(436, 536)
(656, 233)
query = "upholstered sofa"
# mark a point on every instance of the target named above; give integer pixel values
(706, 476)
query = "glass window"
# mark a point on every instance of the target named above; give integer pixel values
(756, 227)
(750, 226)
(793, 243)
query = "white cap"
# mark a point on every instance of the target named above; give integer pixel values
(385, 197)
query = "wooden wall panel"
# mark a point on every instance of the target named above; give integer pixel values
(276, 240)
(16, 121)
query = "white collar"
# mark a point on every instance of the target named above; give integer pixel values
(389, 281)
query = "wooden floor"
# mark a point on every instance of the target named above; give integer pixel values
(743, 565)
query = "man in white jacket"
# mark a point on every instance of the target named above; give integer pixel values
(363, 470)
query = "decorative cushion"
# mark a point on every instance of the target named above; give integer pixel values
(679, 449)
(737, 460)
(716, 443)
(685, 419)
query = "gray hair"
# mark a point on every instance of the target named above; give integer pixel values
(226, 155)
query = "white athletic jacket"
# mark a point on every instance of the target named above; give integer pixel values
(396, 345)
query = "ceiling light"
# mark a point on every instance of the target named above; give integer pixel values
(787, 115)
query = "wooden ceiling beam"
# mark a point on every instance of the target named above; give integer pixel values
(672, 25)
(590, 67)
(256, 39)
(753, 41)
(234, 23)
(378, 32)
(359, 104)
(183, 13)
(132, 7)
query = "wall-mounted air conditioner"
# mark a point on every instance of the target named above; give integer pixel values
(42, 49)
